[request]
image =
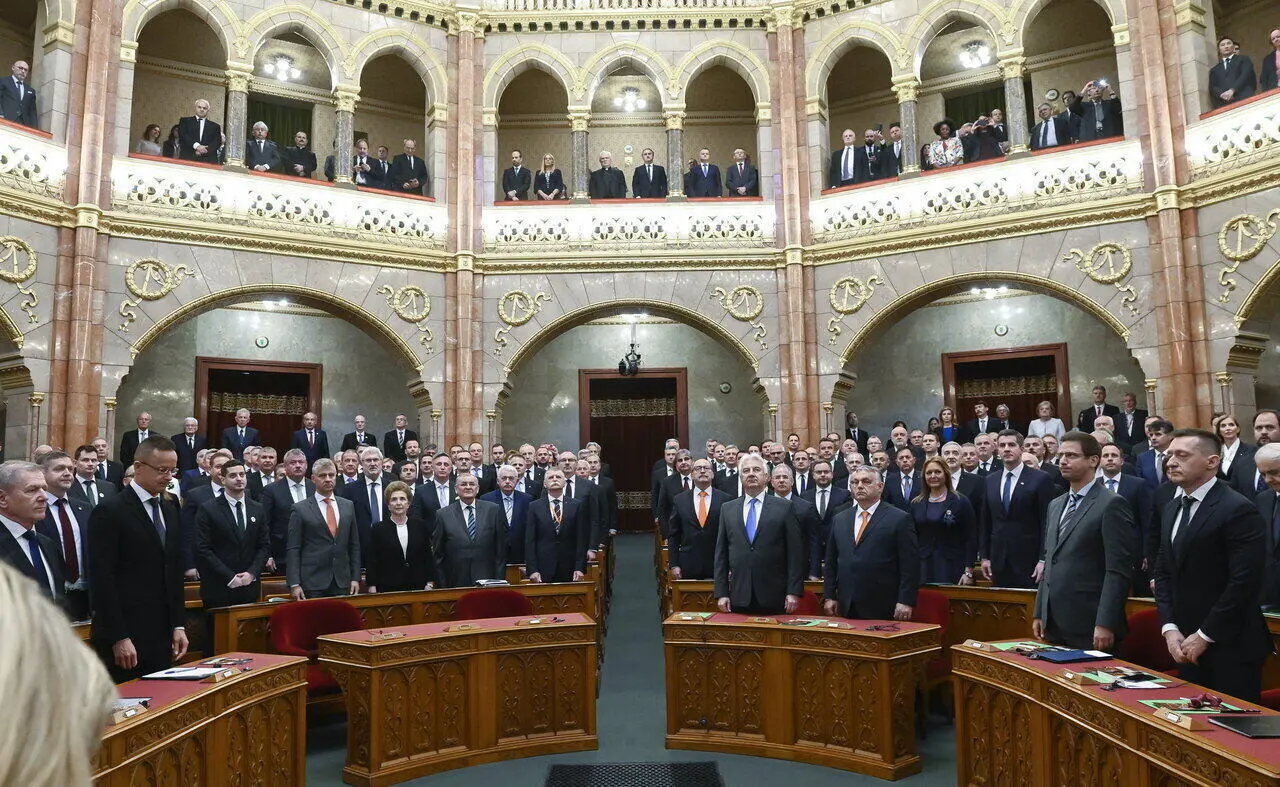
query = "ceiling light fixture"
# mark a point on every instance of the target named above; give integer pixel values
(281, 68)
(975, 54)
(989, 293)
(629, 100)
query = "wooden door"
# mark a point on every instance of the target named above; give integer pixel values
(1020, 377)
(276, 394)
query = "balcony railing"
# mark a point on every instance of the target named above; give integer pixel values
(566, 6)
(627, 225)
(1235, 136)
(210, 194)
(1082, 173)
(30, 161)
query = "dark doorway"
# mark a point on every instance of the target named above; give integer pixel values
(631, 418)
(1020, 377)
(275, 393)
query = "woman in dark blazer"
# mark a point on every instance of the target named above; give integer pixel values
(400, 548)
(547, 183)
(946, 527)
(1237, 456)
(948, 431)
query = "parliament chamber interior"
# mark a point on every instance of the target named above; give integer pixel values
(822, 391)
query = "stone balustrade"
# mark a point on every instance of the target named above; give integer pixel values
(1239, 136)
(31, 162)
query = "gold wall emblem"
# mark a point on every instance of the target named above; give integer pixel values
(149, 280)
(411, 304)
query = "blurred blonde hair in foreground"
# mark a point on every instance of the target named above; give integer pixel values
(56, 695)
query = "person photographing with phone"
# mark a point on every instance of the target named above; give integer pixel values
(1098, 109)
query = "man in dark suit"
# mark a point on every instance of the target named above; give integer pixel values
(199, 137)
(681, 480)
(197, 474)
(393, 442)
(1012, 516)
(1138, 494)
(866, 158)
(694, 526)
(608, 182)
(783, 483)
(1209, 573)
(434, 492)
(233, 543)
(354, 441)
(1267, 462)
(1052, 130)
(1151, 462)
(1129, 422)
(649, 181)
(1232, 78)
(368, 494)
(557, 534)
(1269, 75)
(827, 497)
(108, 469)
(236, 437)
(196, 496)
(516, 179)
(408, 172)
(872, 561)
(662, 469)
(364, 168)
(514, 506)
(904, 483)
(1084, 422)
(66, 524)
(299, 160)
(17, 99)
(704, 179)
(135, 540)
(380, 171)
(1090, 545)
(88, 486)
(261, 154)
(1099, 114)
(742, 180)
(891, 153)
(311, 439)
(852, 432)
(188, 443)
(278, 500)
(759, 565)
(841, 171)
(607, 496)
(470, 538)
(323, 553)
(130, 439)
(23, 505)
(577, 487)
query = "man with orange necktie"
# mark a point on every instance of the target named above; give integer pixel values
(873, 566)
(694, 526)
(323, 553)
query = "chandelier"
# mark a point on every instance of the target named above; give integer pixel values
(989, 293)
(975, 54)
(282, 68)
(629, 100)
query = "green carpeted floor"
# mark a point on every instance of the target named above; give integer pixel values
(631, 714)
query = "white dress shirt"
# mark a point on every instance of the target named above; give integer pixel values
(17, 531)
(1198, 495)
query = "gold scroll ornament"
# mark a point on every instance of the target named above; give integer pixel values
(745, 304)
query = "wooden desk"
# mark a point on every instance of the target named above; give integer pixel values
(844, 698)
(698, 595)
(252, 726)
(437, 699)
(1017, 723)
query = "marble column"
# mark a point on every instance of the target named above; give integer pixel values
(1014, 71)
(675, 153)
(344, 106)
(908, 91)
(51, 72)
(579, 120)
(239, 75)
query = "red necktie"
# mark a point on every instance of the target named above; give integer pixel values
(69, 554)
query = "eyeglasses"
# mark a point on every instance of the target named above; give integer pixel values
(160, 470)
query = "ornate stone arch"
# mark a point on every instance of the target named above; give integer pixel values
(307, 23)
(626, 53)
(422, 59)
(217, 14)
(733, 55)
(524, 57)
(843, 39)
(1026, 13)
(937, 15)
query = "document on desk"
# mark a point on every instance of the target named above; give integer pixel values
(183, 673)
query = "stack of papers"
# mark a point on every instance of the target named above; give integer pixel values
(183, 673)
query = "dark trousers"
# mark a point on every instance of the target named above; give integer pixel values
(1222, 671)
(152, 657)
(1007, 578)
(759, 607)
(78, 604)
(329, 592)
(1054, 635)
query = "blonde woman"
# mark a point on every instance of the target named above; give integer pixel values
(57, 695)
(547, 183)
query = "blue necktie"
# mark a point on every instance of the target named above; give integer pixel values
(37, 561)
(1112, 484)
(156, 519)
(471, 523)
(1275, 522)
(1261, 485)
(752, 519)
(1008, 491)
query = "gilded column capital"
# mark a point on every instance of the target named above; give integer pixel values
(36, 398)
(345, 97)
(674, 119)
(906, 89)
(579, 120)
(110, 403)
(1013, 67)
(239, 77)
(470, 22)
(1188, 15)
(780, 15)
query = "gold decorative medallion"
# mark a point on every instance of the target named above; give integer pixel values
(1241, 239)
(411, 304)
(1107, 263)
(18, 263)
(149, 280)
(516, 308)
(847, 296)
(744, 303)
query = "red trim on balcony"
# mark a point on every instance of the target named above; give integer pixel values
(179, 162)
(400, 194)
(1242, 103)
(35, 132)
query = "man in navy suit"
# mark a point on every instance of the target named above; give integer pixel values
(649, 181)
(515, 510)
(873, 563)
(199, 137)
(436, 491)
(759, 565)
(557, 534)
(195, 497)
(236, 438)
(826, 496)
(1232, 78)
(354, 441)
(1011, 518)
(1084, 422)
(694, 526)
(17, 99)
(188, 443)
(704, 179)
(743, 179)
(1151, 461)
(368, 495)
(311, 440)
(278, 499)
(66, 523)
(897, 493)
(22, 545)
(198, 475)
(1138, 494)
(130, 439)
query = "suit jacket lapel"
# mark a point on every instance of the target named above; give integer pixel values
(1081, 511)
(876, 517)
(141, 513)
(229, 517)
(1203, 512)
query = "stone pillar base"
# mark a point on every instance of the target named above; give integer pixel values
(677, 198)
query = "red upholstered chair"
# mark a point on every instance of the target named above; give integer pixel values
(295, 626)
(809, 604)
(1271, 699)
(1144, 645)
(933, 606)
(492, 603)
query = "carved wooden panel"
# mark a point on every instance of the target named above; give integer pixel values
(261, 741)
(973, 722)
(836, 701)
(355, 688)
(540, 692)
(987, 620)
(1082, 757)
(179, 765)
(424, 709)
(253, 636)
(721, 690)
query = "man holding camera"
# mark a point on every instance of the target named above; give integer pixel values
(1098, 109)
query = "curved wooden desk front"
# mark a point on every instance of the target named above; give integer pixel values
(843, 698)
(445, 696)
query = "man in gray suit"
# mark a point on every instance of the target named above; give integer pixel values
(323, 553)
(760, 545)
(1089, 547)
(470, 539)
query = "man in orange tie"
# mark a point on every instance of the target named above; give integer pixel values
(694, 525)
(323, 553)
(873, 564)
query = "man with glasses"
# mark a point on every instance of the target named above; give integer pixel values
(135, 539)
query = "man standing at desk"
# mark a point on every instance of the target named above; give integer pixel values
(760, 546)
(1089, 548)
(1209, 571)
(873, 563)
(323, 556)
